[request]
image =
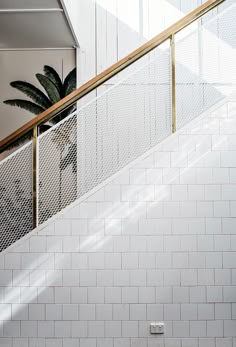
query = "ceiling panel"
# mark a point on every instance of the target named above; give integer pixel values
(28, 4)
(35, 30)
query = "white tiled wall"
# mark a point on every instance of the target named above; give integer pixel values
(156, 243)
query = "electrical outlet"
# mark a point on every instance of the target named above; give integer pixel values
(157, 328)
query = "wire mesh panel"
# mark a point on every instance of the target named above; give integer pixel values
(57, 168)
(129, 116)
(119, 121)
(16, 196)
(205, 66)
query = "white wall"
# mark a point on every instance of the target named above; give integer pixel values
(107, 30)
(156, 243)
(23, 65)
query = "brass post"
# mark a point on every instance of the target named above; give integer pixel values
(35, 177)
(173, 83)
(104, 76)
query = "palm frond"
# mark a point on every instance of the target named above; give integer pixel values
(43, 127)
(54, 77)
(49, 87)
(32, 92)
(63, 114)
(70, 82)
(26, 105)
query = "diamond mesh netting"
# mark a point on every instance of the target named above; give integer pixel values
(16, 196)
(118, 122)
(205, 66)
(121, 123)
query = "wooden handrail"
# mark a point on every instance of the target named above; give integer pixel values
(108, 73)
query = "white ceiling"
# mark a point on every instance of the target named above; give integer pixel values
(6, 4)
(34, 24)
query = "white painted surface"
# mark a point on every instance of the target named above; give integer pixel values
(100, 273)
(155, 244)
(34, 24)
(108, 30)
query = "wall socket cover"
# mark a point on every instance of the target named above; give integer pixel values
(157, 328)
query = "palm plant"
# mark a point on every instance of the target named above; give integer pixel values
(55, 89)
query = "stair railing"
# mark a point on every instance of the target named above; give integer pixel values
(92, 85)
(97, 81)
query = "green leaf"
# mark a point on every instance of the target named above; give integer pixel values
(54, 77)
(70, 82)
(49, 87)
(63, 114)
(26, 105)
(32, 92)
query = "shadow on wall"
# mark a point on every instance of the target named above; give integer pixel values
(112, 29)
(186, 6)
(197, 91)
(43, 262)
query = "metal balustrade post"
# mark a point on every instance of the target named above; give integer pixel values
(173, 83)
(35, 178)
(112, 71)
